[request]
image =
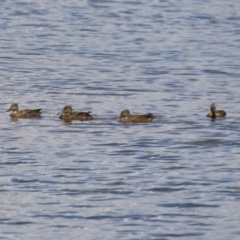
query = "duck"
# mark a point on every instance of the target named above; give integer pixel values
(125, 116)
(68, 114)
(27, 113)
(214, 113)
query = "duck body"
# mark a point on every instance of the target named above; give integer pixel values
(27, 113)
(68, 115)
(214, 113)
(125, 116)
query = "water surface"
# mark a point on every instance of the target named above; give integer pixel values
(174, 178)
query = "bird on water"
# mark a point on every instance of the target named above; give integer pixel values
(125, 116)
(68, 114)
(27, 113)
(214, 113)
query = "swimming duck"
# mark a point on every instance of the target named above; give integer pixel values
(125, 116)
(27, 113)
(214, 113)
(68, 114)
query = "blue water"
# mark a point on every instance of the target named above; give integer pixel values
(174, 178)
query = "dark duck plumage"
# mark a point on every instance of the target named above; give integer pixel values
(68, 115)
(27, 113)
(125, 116)
(214, 113)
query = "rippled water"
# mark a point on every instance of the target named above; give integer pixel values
(177, 177)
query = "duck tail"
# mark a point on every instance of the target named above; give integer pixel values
(151, 115)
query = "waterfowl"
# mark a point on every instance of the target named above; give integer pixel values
(125, 116)
(27, 113)
(68, 114)
(214, 113)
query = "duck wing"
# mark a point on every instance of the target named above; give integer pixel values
(82, 116)
(221, 113)
(34, 112)
(28, 113)
(142, 118)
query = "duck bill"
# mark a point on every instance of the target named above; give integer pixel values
(9, 110)
(60, 113)
(119, 117)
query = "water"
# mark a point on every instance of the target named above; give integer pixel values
(177, 177)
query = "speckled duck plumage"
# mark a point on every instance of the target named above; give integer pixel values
(214, 113)
(68, 114)
(125, 116)
(27, 113)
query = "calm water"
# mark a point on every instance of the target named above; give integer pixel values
(174, 178)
